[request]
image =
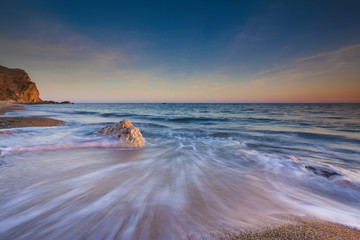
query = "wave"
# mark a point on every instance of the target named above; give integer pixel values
(123, 115)
(325, 137)
(110, 115)
(184, 179)
(221, 134)
(158, 118)
(86, 112)
(189, 119)
(80, 112)
(150, 125)
(197, 119)
(302, 171)
(261, 119)
(104, 143)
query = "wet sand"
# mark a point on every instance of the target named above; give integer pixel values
(19, 122)
(6, 106)
(294, 227)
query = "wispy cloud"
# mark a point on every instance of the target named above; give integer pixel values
(64, 54)
(346, 51)
(313, 66)
(56, 46)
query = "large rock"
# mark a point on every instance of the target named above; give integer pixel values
(126, 132)
(16, 85)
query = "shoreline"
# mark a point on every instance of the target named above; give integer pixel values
(284, 227)
(291, 227)
(8, 106)
(20, 122)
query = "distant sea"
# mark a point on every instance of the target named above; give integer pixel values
(204, 167)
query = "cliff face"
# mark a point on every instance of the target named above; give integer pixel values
(16, 85)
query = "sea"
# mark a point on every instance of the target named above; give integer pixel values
(204, 168)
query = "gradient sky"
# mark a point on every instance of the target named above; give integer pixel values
(185, 51)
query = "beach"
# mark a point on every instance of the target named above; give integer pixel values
(8, 106)
(20, 122)
(297, 228)
(173, 120)
(207, 171)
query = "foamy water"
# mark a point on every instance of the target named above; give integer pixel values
(204, 167)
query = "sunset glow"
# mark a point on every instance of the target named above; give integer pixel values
(186, 52)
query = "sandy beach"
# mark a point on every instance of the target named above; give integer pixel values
(8, 106)
(294, 227)
(19, 122)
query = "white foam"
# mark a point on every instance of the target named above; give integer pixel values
(104, 143)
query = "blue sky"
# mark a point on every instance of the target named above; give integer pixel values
(186, 51)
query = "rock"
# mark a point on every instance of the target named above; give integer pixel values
(66, 102)
(328, 173)
(125, 131)
(16, 85)
(7, 132)
(348, 184)
(48, 102)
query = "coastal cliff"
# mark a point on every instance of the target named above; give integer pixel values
(16, 85)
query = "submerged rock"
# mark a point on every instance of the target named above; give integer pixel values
(348, 184)
(322, 171)
(7, 132)
(125, 131)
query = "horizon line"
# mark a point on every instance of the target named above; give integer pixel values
(229, 102)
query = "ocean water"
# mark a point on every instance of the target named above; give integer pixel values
(204, 167)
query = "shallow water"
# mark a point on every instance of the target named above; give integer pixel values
(204, 167)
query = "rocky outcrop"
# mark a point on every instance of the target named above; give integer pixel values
(126, 132)
(47, 102)
(328, 173)
(16, 85)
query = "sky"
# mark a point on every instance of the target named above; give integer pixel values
(185, 51)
